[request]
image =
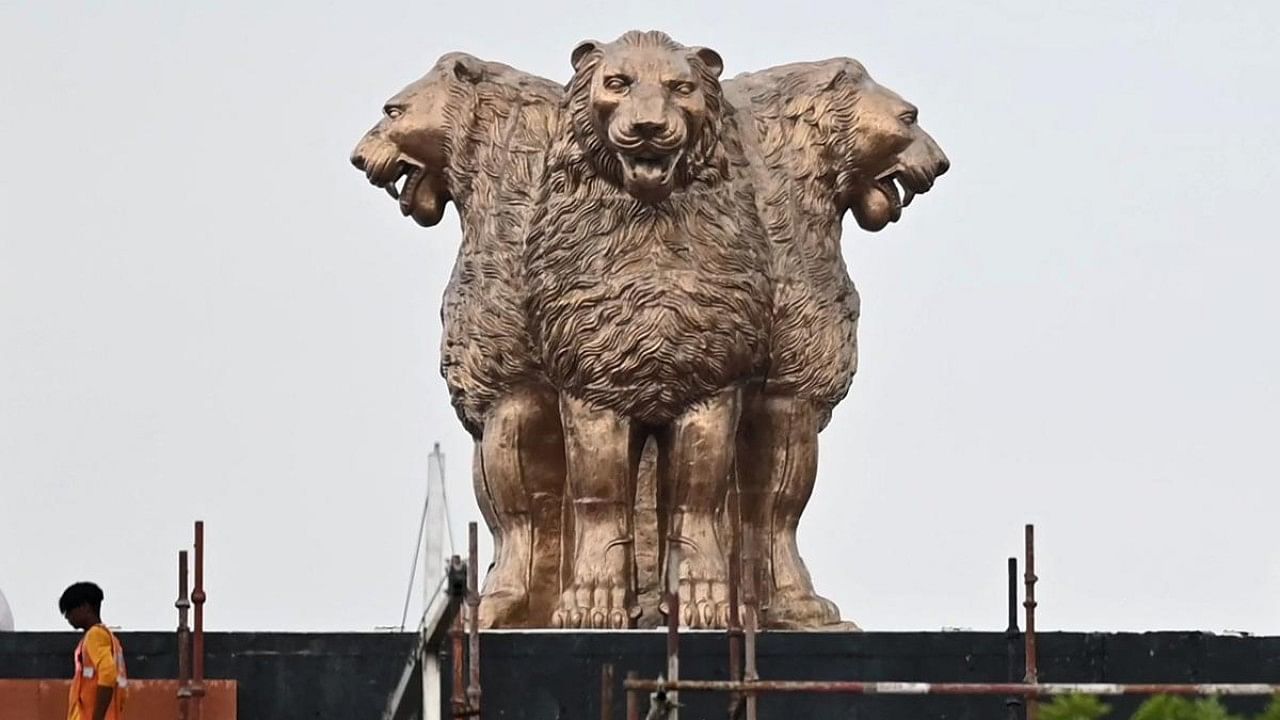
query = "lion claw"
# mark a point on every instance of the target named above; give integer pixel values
(600, 606)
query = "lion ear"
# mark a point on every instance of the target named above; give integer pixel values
(580, 53)
(833, 79)
(711, 59)
(843, 70)
(468, 69)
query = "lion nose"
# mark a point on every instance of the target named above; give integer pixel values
(357, 159)
(650, 129)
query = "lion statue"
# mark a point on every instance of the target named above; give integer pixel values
(477, 133)
(823, 138)
(648, 304)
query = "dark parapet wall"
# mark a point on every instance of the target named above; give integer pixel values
(549, 675)
(281, 676)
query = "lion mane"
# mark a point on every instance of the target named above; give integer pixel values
(645, 309)
(500, 122)
(803, 133)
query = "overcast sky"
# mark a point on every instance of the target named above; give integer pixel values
(205, 312)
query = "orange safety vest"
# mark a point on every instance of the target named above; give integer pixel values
(84, 687)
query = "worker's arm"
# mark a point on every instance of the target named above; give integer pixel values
(100, 705)
(97, 645)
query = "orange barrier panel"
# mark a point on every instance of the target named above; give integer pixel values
(147, 700)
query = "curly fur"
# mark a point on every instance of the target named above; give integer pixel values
(500, 124)
(645, 309)
(807, 147)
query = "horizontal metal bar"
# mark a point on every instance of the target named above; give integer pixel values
(915, 688)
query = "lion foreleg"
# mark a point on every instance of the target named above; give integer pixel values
(777, 474)
(602, 455)
(521, 480)
(696, 465)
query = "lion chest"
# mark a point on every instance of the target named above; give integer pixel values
(647, 315)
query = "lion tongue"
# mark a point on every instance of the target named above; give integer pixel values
(422, 201)
(649, 171)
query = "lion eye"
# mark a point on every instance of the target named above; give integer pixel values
(909, 118)
(617, 82)
(684, 88)
(393, 111)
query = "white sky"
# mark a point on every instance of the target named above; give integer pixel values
(205, 312)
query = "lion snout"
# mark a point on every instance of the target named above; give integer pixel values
(649, 130)
(942, 166)
(358, 158)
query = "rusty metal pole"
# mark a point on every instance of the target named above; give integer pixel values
(606, 691)
(198, 598)
(473, 605)
(633, 697)
(184, 640)
(750, 673)
(1011, 633)
(1033, 672)
(673, 621)
(735, 597)
(458, 698)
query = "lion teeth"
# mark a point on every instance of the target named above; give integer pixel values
(904, 191)
(391, 190)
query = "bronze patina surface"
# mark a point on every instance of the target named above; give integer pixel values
(649, 310)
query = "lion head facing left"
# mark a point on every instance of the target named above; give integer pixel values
(646, 113)
(408, 152)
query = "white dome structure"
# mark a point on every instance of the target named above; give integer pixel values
(6, 617)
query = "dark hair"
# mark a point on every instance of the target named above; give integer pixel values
(81, 593)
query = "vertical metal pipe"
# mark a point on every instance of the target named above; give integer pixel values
(1033, 673)
(633, 697)
(458, 697)
(606, 691)
(673, 620)
(735, 597)
(198, 598)
(1011, 633)
(473, 605)
(750, 673)
(184, 640)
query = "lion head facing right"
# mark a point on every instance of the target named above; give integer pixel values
(646, 113)
(882, 157)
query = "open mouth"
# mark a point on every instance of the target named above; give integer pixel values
(404, 185)
(649, 171)
(907, 182)
(893, 194)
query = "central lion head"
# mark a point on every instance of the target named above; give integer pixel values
(646, 111)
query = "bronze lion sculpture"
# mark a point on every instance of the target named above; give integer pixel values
(655, 259)
(648, 301)
(824, 138)
(476, 133)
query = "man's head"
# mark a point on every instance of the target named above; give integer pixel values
(81, 605)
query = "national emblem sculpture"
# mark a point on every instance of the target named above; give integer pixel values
(649, 311)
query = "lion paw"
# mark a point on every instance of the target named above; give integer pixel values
(804, 611)
(593, 604)
(703, 603)
(503, 609)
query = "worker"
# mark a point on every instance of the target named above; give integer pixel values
(97, 690)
